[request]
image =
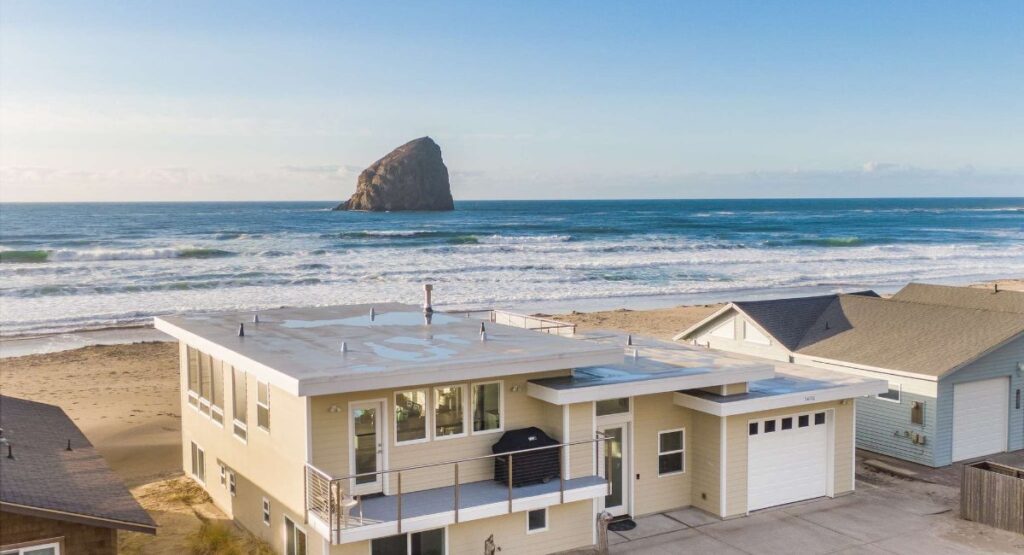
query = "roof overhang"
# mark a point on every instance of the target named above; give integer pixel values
(77, 518)
(746, 403)
(686, 378)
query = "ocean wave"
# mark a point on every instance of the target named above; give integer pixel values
(68, 255)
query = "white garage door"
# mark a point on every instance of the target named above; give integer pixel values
(787, 459)
(980, 413)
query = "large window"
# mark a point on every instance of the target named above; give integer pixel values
(48, 548)
(893, 394)
(430, 542)
(239, 404)
(611, 406)
(205, 382)
(449, 411)
(294, 538)
(217, 391)
(411, 416)
(671, 456)
(198, 463)
(263, 405)
(487, 403)
(192, 367)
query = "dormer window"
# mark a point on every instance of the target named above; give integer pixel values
(753, 335)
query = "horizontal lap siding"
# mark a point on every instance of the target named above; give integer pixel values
(581, 428)
(736, 456)
(331, 441)
(653, 493)
(569, 526)
(704, 459)
(999, 363)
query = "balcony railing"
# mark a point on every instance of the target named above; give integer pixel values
(522, 485)
(535, 323)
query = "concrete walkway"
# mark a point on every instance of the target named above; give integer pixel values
(886, 515)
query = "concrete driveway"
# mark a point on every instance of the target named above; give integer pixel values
(886, 515)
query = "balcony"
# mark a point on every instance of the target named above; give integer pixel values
(343, 517)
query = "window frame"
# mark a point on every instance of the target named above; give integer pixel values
(236, 424)
(501, 407)
(198, 460)
(899, 394)
(264, 406)
(298, 529)
(681, 451)
(612, 415)
(266, 512)
(547, 521)
(408, 538)
(433, 411)
(427, 416)
(34, 545)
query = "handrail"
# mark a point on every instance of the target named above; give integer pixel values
(601, 437)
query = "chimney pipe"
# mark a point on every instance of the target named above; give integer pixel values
(427, 307)
(241, 330)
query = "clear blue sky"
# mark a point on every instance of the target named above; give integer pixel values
(258, 100)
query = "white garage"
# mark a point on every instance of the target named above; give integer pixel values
(980, 423)
(788, 459)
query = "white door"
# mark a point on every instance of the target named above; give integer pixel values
(980, 418)
(366, 446)
(787, 459)
(616, 468)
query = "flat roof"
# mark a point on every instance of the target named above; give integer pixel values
(656, 367)
(55, 473)
(793, 385)
(299, 349)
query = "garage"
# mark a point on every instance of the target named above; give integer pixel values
(980, 418)
(787, 459)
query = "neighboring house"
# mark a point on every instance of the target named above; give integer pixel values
(57, 494)
(369, 429)
(953, 357)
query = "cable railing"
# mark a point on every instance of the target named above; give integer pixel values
(517, 475)
(525, 321)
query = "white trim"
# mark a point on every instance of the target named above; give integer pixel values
(501, 407)
(750, 371)
(547, 522)
(382, 441)
(428, 412)
(830, 452)
(899, 393)
(799, 358)
(795, 399)
(853, 450)
(465, 406)
(681, 451)
(830, 434)
(309, 430)
(722, 452)
(566, 453)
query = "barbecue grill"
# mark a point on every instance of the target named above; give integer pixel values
(534, 467)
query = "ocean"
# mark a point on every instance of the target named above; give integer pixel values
(69, 267)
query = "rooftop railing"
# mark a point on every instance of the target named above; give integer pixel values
(507, 318)
(518, 475)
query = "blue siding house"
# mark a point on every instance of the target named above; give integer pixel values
(953, 357)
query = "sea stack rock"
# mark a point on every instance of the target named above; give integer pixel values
(411, 177)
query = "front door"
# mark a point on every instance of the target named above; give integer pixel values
(616, 469)
(367, 447)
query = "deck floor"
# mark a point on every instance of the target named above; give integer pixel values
(472, 494)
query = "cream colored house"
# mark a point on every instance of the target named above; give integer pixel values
(369, 430)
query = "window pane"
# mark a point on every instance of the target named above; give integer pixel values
(893, 394)
(193, 370)
(753, 428)
(804, 420)
(449, 414)
(205, 376)
(240, 398)
(671, 441)
(769, 426)
(430, 542)
(262, 395)
(819, 418)
(391, 545)
(263, 417)
(787, 423)
(670, 463)
(537, 519)
(612, 406)
(218, 384)
(300, 542)
(487, 407)
(289, 537)
(411, 415)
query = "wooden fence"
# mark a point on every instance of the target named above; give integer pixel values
(993, 494)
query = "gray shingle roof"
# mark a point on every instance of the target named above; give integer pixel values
(921, 338)
(788, 320)
(962, 297)
(44, 476)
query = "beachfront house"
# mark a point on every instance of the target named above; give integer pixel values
(57, 494)
(953, 358)
(391, 429)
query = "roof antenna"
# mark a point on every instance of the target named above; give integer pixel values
(256, 318)
(344, 347)
(241, 330)
(483, 332)
(69, 446)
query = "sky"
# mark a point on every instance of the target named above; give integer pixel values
(125, 101)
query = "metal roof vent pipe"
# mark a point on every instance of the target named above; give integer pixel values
(344, 347)
(629, 340)
(69, 446)
(483, 332)
(241, 330)
(427, 307)
(373, 313)
(256, 318)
